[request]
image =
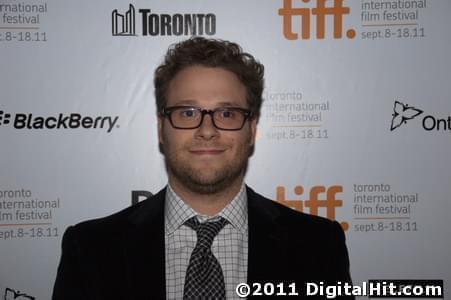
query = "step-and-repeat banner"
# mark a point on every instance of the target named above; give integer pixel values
(355, 124)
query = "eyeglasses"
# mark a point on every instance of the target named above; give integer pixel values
(224, 118)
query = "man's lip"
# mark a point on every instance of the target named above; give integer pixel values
(206, 151)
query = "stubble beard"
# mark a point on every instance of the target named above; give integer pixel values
(215, 181)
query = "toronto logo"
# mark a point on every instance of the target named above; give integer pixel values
(403, 113)
(123, 24)
(156, 24)
(11, 294)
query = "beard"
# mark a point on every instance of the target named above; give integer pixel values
(207, 179)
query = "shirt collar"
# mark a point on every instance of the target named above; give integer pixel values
(177, 212)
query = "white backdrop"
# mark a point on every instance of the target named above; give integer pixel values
(78, 126)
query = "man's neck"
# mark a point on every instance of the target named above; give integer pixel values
(206, 204)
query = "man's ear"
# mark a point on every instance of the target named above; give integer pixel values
(160, 121)
(253, 125)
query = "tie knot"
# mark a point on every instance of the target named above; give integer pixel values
(206, 231)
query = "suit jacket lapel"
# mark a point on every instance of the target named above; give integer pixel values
(266, 240)
(144, 250)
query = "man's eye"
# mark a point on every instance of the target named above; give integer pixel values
(188, 113)
(227, 114)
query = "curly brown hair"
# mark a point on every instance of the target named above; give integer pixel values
(211, 53)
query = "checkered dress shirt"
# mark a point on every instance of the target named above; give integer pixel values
(230, 246)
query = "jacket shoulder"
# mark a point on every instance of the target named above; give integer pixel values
(145, 210)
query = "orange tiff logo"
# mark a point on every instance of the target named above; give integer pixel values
(330, 202)
(306, 14)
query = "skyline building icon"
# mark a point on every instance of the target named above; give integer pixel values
(123, 24)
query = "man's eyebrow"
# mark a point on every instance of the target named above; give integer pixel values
(228, 103)
(192, 102)
(185, 102)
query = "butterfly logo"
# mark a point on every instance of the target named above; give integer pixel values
(402, 113)
(11, 294)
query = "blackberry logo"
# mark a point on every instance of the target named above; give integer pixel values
(403, 113)
(59, 121)
(4, 119)
(11, 294)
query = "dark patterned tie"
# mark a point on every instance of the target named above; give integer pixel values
(204, 278)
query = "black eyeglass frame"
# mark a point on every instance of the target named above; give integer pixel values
(167, 111)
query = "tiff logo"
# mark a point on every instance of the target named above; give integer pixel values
(319, 13)
(330, 202)
(4, 119)
(123, 25)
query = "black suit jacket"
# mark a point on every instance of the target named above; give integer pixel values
(122, 256)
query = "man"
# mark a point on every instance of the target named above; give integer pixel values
(206, 232)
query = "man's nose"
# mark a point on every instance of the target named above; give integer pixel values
(207, 129)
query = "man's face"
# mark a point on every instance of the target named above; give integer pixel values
(206, 159)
